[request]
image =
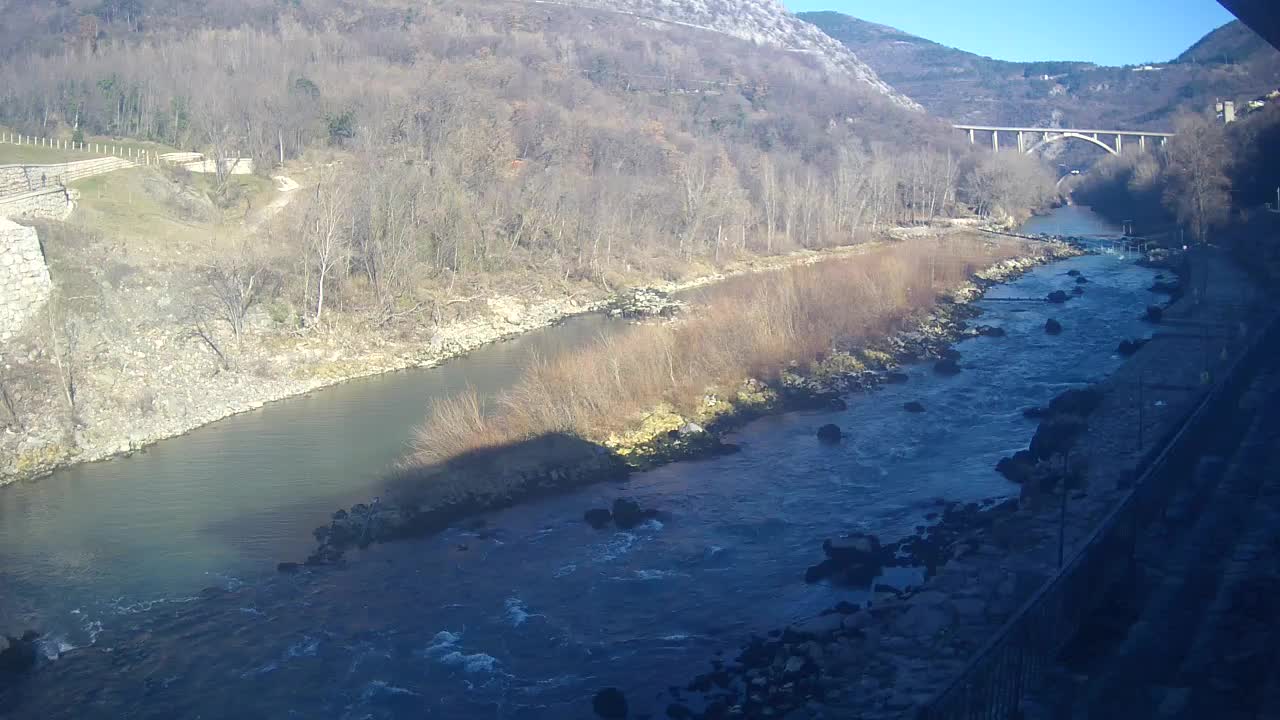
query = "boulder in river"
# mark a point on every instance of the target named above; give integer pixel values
(610, 703)
(18, 654)
(991, 331)
(913, 407)
(1077, 290)
(598, 517)
(627, 513)
(896, 378)
(1129, 347)
(1034, 412)
(1073, 273)
(1154, 314)
(1082, 280)
(288, 568)
(837, 404)
(1057, 297)
(947, 366)
(1052, 327)
(830, 434)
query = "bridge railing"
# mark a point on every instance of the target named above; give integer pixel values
(994, 683)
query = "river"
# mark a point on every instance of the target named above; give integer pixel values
(153, 576)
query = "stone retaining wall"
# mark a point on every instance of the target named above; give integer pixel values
(24, 278)
(17, 179)
(53, 203)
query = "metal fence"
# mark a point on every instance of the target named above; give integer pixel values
(994, 683)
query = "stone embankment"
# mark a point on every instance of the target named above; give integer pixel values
(24, 278)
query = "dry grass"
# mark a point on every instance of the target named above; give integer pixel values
(751, 327)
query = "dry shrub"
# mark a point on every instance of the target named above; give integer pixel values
(750, 327)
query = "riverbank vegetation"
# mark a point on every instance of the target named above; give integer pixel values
(468, 170)
(1211, 183)
(654, 378)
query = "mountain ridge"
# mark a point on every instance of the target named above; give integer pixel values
(1229, 62)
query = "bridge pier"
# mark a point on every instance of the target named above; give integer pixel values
(995, 140)
(1119, 144)
(1022, 145)
(970, 136)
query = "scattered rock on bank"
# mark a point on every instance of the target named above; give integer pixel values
(610, 703)
(1019, 468)
(1052, 327)
(855, 560)
(913, 407)
(830, 434)
(643, 303)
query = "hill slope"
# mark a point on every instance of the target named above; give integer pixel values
(765, 22)
(1230, 62)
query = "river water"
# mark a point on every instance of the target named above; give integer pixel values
(153, 576)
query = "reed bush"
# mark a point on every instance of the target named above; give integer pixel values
(750, 327)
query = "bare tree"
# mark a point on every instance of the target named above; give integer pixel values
(1199, 190)
(237, 279)
(325, 235)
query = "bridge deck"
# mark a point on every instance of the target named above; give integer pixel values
(1127, 133)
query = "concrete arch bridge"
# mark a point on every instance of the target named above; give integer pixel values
(1032, 139)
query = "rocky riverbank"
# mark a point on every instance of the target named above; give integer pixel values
(499, 478)
(886, 658)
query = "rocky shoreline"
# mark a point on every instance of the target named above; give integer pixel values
(888, 656)
(529, 471)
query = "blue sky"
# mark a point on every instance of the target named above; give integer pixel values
(1110, 32)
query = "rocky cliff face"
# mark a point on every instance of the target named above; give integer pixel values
(765, 22)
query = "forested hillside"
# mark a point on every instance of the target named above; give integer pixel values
(1232, 62)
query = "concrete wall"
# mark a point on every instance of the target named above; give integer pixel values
(24, 278)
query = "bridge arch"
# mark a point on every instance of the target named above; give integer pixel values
(1072, 135)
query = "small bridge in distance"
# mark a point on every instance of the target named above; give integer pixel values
(1031, 139)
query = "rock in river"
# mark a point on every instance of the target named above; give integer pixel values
(1154, 313)
(597, 517)
(610, 703)
(18, 654)
(829, 434)
(1057, 297)
(1129, 347)
(913, 407)
(627, 513)
(1052, 327)
(947, 366)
